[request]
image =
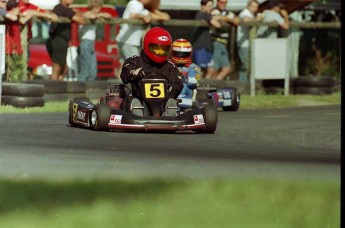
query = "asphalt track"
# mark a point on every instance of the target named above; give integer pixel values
(302, 142)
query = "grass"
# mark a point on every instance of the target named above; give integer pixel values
(163, 203)
(247, 102)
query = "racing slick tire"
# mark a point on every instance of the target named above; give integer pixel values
(211, 118)
(235, 101)
(99, 118)
(70, 109)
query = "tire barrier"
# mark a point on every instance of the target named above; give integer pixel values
(22, 102)
(273, 86)
(61, 90)
(96, 89)
(314, 85)
(101, 84)
(22, 95)
(61, 96)
(61, 86)
(22, 90)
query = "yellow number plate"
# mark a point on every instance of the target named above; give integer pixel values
(154, 90)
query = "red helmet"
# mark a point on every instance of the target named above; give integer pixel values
(157, 44)
(181, 51)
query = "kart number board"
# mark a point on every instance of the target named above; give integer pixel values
(154, 90)
(227, 95)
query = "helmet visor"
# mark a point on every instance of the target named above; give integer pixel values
(181, 54)
(159, 50)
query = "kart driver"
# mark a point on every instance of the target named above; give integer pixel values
(181, 55)
(156, 47)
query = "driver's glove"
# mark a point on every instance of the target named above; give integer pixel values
(170, 89)
(137, 73)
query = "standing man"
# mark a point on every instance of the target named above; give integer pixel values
(4, 13)
(25, 34)
(277, 14)
(220, 63)
(87, 62)
(202, 42)
(246, 15)
(130, 35)
(14, 50)
(60, 35)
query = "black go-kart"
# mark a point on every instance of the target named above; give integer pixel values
(142, 106)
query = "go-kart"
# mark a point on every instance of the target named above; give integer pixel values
(228, 98)
(195, 95)
(144, 106)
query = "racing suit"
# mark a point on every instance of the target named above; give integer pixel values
(191, 75)
(137, 67)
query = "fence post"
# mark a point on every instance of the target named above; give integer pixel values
(252, 36)
(2, 55)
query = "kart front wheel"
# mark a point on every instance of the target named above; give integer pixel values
(99, 118)
(210, 118)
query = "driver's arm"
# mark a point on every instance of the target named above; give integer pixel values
(130, 69)
(174, 78)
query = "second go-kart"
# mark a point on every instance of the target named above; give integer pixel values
(144, 107)
(195, 95)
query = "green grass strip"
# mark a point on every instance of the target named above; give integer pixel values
(170, 203)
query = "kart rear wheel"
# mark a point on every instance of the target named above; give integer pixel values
(210, 118)
(99, 118)
(235, 101)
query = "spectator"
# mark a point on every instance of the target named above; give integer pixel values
(130, 35)
(220, 64)
(14, 50)
(60, 34)
(246, 15)
(277, 14)
(155, 13)
(87, 63)
(202, 43)
(33, 10)
(4, 13)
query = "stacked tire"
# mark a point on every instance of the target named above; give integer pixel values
(314, 85)
(96, 89)
(273, 86)
(22, 95)
(61, 90)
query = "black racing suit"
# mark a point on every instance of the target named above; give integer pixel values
(167, 69)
